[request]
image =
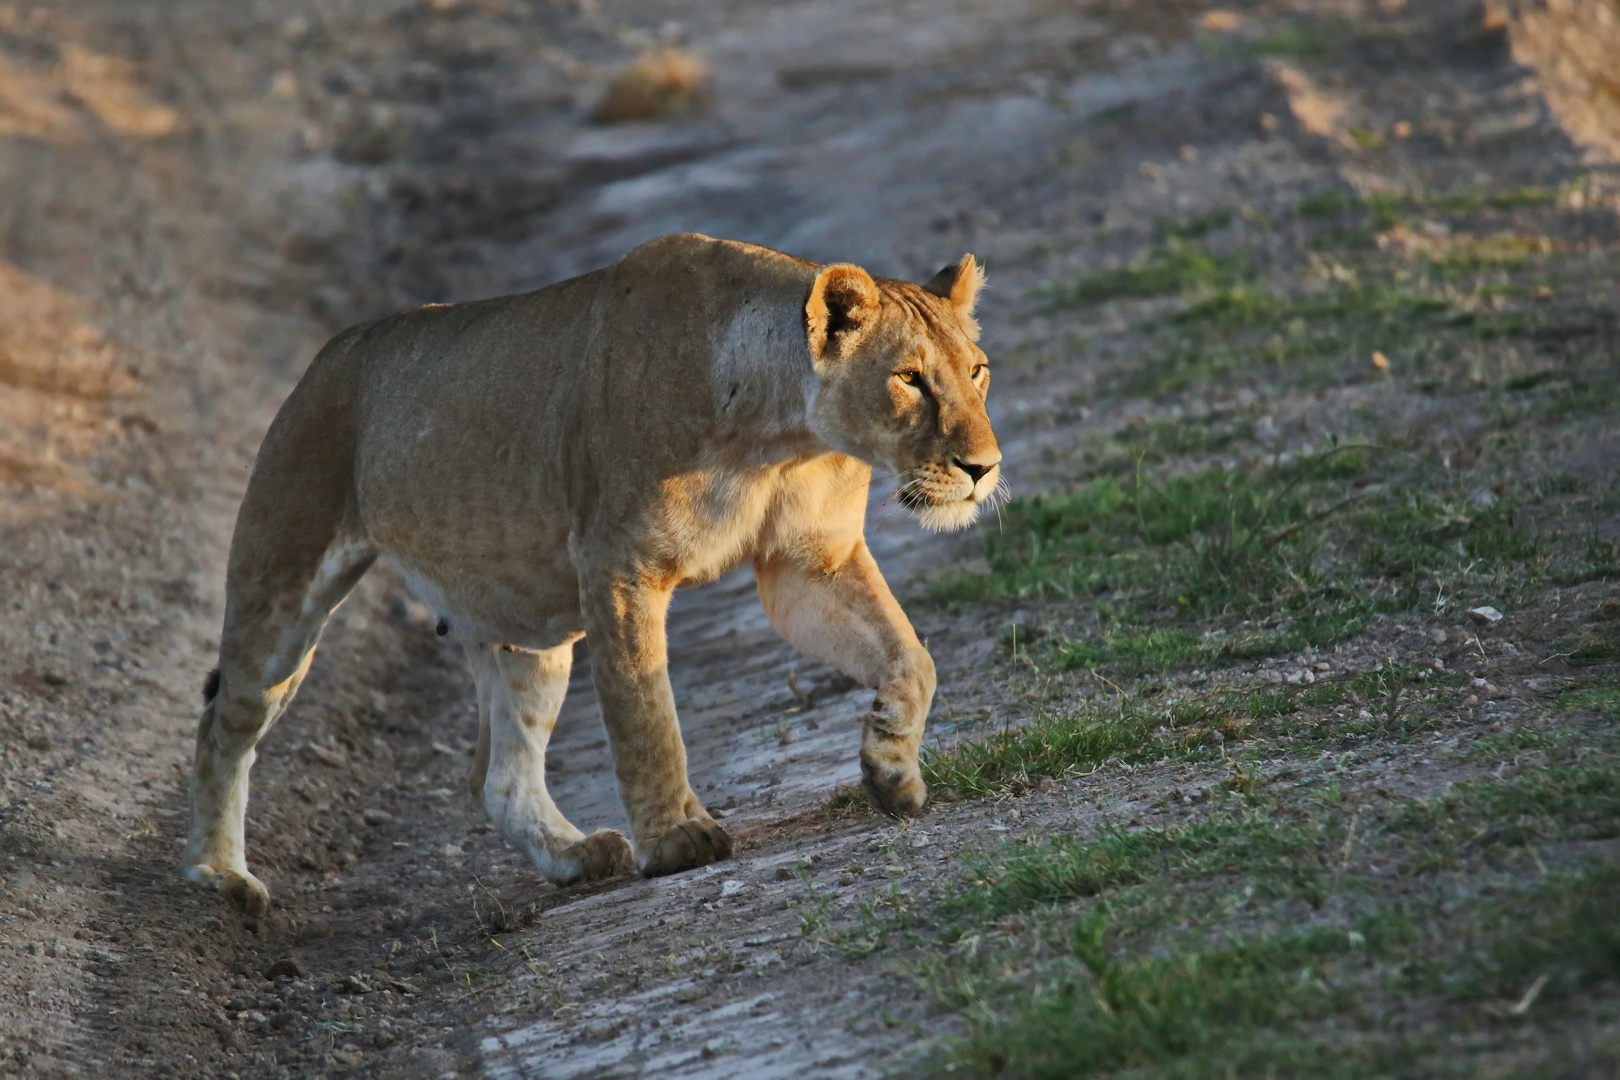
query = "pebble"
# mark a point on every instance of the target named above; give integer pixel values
(1484, 615)
(323, 755)
(285, 968)
(376, 817)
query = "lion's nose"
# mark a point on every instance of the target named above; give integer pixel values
(975, 469)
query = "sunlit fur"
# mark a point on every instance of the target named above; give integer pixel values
(906, 392)
(554, 465)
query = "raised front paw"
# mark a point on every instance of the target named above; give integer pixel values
(894, 789)
(695, 842)
(238, 886)
(600, 855)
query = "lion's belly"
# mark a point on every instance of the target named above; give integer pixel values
(489, 606)
(493, 576)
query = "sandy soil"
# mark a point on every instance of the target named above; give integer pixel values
(197, 194)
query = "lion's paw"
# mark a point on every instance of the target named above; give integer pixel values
(695, 842)
(241, 888)
(894, 790)
(600, 855)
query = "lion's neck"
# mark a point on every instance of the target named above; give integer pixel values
(763, 381)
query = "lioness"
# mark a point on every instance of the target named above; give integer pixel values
(554, 465)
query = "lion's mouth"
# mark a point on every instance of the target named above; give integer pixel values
(940, 506)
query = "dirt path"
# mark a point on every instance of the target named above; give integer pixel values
(196, 195)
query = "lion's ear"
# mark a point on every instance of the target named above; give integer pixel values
(842, 310)
(960, 284)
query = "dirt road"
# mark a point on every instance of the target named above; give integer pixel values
(197, 194)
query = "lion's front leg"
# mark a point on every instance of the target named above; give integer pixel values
(624, 621)
(843, 613)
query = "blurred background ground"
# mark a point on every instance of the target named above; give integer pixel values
(1228, 777)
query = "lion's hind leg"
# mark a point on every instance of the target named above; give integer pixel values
(275, 612)
(520, 692)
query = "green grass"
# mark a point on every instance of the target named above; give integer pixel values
(1132, 957)
(1603, 700)
(1325, 998)
(1564, 931)
(1383, 211)
(1054, 744)
(1176, 267)
(1194, 228)
(1237, 1008)
(1066, 868)
(1065, 742)
(1218, 566)
(1327, 334)
(1565, 802)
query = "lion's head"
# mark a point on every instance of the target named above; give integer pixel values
(902, 385)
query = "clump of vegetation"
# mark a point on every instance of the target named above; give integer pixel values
(661, 83)
(1113, 963)
(1224, 565)
(1176, 267)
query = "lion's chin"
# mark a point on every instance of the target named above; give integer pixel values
(947, 517)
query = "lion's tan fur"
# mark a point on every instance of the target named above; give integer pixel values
(553, 465)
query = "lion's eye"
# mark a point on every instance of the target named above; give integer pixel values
(910, 378)
(980, 371)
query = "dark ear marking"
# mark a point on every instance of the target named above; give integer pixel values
(842, 309)
(940, 284)
(960, 284)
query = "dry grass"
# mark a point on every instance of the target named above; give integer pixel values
(660, 84)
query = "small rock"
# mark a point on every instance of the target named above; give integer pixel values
(285, 968)
(784, 874)
(39, 742)
(1484, 615)
(453, 851)
(731, 887)
(920, 841)
(284, 1020)
(314, 930)
(376, 817)
(353, 984)
(348, 1055)
(1482, 500)
(255, 1016)
(384, 1039)
(323, 755)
